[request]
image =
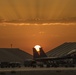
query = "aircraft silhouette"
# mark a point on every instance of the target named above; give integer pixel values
(41, 59)
(40, 54)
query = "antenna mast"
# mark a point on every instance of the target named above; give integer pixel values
(11, 45)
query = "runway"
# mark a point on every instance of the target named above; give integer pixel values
(38, 71)
(35, 69)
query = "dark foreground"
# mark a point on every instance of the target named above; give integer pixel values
(38, 71)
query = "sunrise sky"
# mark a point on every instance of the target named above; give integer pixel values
(26, 35)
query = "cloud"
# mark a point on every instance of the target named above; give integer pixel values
(37, 24)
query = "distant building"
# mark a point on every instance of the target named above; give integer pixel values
(64, 49)
(13, 55)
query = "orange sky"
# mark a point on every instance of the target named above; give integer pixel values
(26, 35)
(42, 9)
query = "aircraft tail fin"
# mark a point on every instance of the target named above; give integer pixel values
(39, 54)
(42, 53)
(35, 54)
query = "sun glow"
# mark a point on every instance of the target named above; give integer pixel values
(37, 47)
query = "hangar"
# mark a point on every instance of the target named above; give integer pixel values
(13, 55)
(63, 50)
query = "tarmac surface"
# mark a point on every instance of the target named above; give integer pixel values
(38, 71)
